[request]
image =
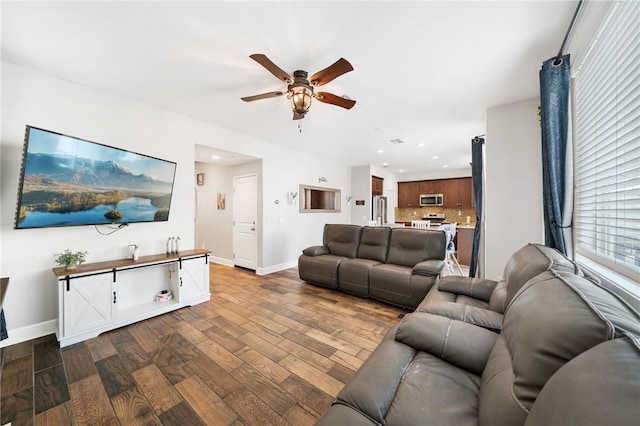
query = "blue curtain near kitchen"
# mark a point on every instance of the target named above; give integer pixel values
(477, 150)
(554, 120)
(3, 326)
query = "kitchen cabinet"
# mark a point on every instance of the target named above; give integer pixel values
(431, 187)
(457, 193)
(102, 296)
(408, 195)
(464, 245)
(377, 185)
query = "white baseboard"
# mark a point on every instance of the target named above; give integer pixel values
(277, 268)
(259, 271)
(221, 261)
(18, 335)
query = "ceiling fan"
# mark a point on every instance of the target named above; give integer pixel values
(300, 90)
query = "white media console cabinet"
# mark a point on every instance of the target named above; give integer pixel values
(102, 296)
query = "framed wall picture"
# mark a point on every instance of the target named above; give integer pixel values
(220, 200)
(200, 179)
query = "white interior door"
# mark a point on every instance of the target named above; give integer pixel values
(245, 215)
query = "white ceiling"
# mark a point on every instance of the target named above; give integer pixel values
(425, 72)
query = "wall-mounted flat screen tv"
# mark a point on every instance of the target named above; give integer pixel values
(68, 181)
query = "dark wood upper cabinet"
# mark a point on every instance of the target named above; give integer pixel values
(408, 194)
(432, 187)
(456, 192)
(377, 185)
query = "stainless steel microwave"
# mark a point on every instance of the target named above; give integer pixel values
(428, 200)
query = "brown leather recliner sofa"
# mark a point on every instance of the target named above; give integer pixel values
(567, 353)
(394, 265)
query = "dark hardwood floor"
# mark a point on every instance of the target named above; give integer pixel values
(266, 350)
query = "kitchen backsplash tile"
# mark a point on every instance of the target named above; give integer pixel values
(451, 215)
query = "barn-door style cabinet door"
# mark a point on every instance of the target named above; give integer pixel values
(87, 303)
(193, 279)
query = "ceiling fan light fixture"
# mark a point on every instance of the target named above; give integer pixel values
(300, 93)
(300, 98)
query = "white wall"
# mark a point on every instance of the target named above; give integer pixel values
(29, 97)
(213, 227)
(441, 174)
(513, 193)
(360, 190)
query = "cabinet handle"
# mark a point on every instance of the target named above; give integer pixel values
(180, 281)
(114, 297)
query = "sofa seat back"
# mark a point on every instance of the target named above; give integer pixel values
(606, 395)
(530, 261)
(552, 319)
(374, 243)
(341, 239)
(407, 247)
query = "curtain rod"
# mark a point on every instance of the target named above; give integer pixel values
(558, 60)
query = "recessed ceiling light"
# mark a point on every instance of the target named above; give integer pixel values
(380, 151)
(215, 157)
(401, 171)
(420, 145)
(445, 166)
(435, 157)
(385, 164)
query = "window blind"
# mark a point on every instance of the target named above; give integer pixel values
(607, 144)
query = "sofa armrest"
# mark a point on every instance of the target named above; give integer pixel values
(481, 317)
(429, 267)
(478, 288)
(463, 345)
(316, 251)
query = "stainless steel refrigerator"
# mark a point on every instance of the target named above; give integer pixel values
(379, 209)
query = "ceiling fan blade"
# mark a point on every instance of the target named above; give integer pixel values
(341, 66)
(271, 67)
(262, 96)
(330, 98)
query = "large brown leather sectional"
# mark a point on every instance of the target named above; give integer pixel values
(394, 265)
(545, 346)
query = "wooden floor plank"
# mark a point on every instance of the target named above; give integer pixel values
(156, 388)
(132, 408)
(211, 409)
(90, 402)
(266, 349)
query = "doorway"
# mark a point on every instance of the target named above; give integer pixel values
(245, 215)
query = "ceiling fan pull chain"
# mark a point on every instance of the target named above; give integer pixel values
(299, 127)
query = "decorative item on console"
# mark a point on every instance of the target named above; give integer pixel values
(69, 259)
(173, 245)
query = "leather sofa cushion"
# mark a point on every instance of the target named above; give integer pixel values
(606, 377)
(398, 285)
(479, 316)
(461, 344)
(316, 251)
(477, 288)
(410, 246)
(429, 268)
(498, 297)
(320, 270)
(374, 243)
(398, 385)
(530, 261)
(342, 240)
